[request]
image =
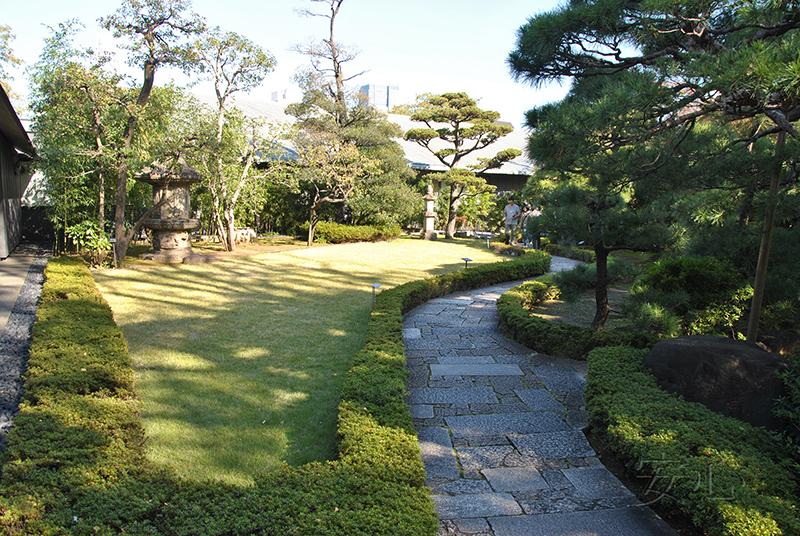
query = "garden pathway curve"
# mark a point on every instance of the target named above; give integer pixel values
(500, 430)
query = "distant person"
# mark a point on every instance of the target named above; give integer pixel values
(511, 213)
(536, 227)
(524, 219)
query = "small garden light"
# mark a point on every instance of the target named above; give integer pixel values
(466, 262)
(375, 286)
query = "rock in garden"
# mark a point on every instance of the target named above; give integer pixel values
(735, 378)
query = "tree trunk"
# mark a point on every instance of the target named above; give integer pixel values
(766, 241)
(601, 260)
(122, 164)
(312, 225)
(601, 288)
(229, 222)
(119, 212)
(450, 230)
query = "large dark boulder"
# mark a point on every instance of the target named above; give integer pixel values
(735, 378)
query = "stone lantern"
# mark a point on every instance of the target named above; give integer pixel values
(429, 215)
(171, 223)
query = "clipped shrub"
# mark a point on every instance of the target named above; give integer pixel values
(75, 461)
(519, 322)
(336, 233)
(705, 280)
(578, 254)
(688, 296)
(731, 478)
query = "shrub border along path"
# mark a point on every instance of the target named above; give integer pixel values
(76, 463)
(731, 478)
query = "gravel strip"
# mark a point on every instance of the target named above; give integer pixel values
(16, 341)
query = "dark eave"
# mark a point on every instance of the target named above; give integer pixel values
(11, 127)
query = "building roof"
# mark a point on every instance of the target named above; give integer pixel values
(11, 127)
(418, 157)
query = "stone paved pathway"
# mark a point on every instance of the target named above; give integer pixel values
(500, 430)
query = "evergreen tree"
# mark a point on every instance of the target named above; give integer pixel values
(686, 61)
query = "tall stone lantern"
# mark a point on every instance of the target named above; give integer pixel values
(171, 223)
(429, 215)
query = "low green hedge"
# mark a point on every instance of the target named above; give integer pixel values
(555, 338)
(578, 254)
(337, 233)
(75, 460)
(730, 477)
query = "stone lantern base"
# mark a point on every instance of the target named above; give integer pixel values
(429, 235)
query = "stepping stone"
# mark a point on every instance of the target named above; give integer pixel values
(617, 522)
(476, 505)
(553, 445)
(453, 395)
(496, 424)
(476, 370)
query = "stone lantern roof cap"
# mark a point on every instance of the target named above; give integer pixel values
(178, 172)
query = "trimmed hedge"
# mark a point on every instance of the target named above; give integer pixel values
(75, 461)
(555, 338)
(579, 254)
(730, 477)
(337, 233)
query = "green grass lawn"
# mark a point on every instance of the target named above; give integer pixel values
(240, 362)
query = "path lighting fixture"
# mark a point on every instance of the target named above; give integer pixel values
(375, 286)
(466, 261)
(114, 250)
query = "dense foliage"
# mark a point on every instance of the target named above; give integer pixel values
(731, 478)
(695, 99)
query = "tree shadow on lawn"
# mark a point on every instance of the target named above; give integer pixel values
(240, 364)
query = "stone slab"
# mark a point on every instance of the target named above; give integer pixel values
(496, 424)
(472, 525)
(437, 453)
(636, 521)
(421, 411)
(476, 459)
(441, 331)
(463, 486)
(437, 344)
(412, 333)
(476, 505)
(476, 370)
(596, 483)
(561, 379)
(453, 395)
(466, 360)
(513, 479)
(553, 445)
(539, 400)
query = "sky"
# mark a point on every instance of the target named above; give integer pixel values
(434, 46)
